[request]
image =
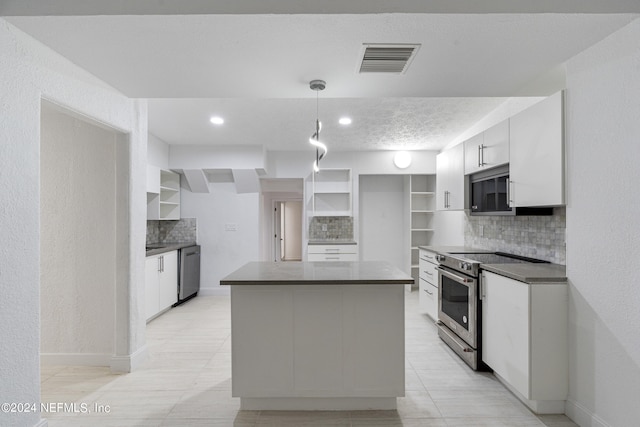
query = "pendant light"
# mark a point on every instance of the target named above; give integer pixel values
(317, 85)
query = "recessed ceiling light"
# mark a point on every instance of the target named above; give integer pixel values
(216, 120)
(345, 121)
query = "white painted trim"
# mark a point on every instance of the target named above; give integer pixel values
(217, 291)
(582, 416)
(129, 363)
(537, 406)
(42, 423)
(75, 359)
(317, 403)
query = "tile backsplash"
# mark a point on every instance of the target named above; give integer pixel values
(331, 228)
(183, 230)
(541, 237)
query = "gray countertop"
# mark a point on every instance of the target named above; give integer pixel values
(333, 242)
(160, 248)
(530, 273)
(318, 273)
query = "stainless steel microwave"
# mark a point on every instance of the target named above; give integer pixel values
(489, 195)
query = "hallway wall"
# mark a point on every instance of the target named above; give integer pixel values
(78, 240)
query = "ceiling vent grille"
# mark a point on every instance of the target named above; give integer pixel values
(387, 58)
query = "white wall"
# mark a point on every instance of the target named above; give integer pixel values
(157, 152)
(29, 72)
(603, 230)
(223, 250)
(78, 240)
(382, 221)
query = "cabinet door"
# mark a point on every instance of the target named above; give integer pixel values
(537, 154)
(495, 151)
(168, 291)
(473, 154)
(450, 189)
(152, 267)
(153, 179)
(505, 329)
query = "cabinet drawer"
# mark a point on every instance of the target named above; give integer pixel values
(428, 299)
(428, 272)
(332, 249)
(332, 257)
(428, 256)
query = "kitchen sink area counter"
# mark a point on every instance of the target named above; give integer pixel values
(159, 248)
(306, 335)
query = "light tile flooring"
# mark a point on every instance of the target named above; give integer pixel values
(187, 382)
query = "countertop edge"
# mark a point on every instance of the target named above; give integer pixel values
(332, 242)
(315, 282)
(168, 248)
(542, 279)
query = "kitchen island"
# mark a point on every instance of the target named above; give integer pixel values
(317, 335)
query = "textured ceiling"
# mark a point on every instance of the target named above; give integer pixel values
(254, 70)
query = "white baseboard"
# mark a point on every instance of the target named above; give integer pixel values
(75, 359)
(582, 416)
(217, 291)
(129, 363)
(537, 406)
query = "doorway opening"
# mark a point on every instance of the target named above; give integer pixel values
(282, 226)
(287, 225)
(84, 205)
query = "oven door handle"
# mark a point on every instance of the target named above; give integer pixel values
(455, 277)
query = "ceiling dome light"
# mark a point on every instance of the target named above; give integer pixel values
(216, 120)
(402, 159)
(345, 121)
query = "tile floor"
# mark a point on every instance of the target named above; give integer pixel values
(187, 382)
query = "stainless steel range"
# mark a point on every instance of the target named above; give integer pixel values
(459, 308)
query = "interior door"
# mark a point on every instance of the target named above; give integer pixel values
(287, 226)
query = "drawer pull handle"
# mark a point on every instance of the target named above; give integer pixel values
(430, 293)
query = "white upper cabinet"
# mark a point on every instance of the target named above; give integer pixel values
(537, 154)
(450, 188)
(487, 149)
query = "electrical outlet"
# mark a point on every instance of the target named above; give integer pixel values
(481, 230)
(230, 227)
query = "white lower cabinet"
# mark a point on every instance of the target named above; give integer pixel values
(524, 339)
(428, 286)
(161, 288)
(332, 253)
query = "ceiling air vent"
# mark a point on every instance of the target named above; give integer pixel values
(387, 58)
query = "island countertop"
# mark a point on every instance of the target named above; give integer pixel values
(318, 273)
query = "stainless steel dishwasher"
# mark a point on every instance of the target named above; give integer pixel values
(189, 275)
